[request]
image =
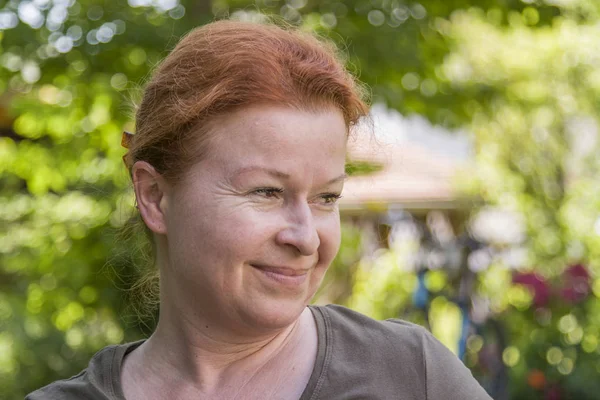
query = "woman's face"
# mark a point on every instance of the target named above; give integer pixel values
(252, 228)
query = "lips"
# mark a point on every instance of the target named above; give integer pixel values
(286, 271)
(286, 276)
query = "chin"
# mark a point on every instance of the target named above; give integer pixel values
(273, 314)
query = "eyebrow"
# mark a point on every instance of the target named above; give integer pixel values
(340, 178)
(282, 175)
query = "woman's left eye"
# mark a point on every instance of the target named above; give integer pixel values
(330, 198)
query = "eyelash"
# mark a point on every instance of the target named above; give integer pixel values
(269, 192)
(331, 198)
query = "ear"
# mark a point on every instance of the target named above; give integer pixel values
(150, 193)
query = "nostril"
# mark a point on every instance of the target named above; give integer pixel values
(306, 241)
(299, 230)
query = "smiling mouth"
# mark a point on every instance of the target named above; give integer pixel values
(286, 271)
(283, 275)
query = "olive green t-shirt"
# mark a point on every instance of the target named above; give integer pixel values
(357, 358)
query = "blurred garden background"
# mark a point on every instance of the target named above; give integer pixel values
(475, 211)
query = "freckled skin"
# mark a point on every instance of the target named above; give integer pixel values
(264, 195)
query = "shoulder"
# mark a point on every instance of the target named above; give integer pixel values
(347, 324)
(94, 383)
(359, 328)
(61, 389)
(391, 342)
(402, 356)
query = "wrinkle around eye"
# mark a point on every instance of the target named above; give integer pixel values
(268, 192)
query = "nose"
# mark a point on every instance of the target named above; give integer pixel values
(300, 231)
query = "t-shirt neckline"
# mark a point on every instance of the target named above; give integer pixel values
(310, 391)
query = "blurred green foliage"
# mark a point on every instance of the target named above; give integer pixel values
(521, 76)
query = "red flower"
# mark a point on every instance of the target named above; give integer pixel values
(536, 379)
(541, 291)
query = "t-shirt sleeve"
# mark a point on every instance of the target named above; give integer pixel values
(446, 376)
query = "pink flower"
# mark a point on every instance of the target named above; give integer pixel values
(552, 393)
(576, 283)
(541, 291)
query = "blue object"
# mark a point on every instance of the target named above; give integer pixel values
(421, 295)
(464, 332)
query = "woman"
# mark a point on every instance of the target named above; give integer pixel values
(237, 164)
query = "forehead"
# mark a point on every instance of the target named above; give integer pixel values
(271, 134)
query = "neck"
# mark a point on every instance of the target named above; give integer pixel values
(209, 358)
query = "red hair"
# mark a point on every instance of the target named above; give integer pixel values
(226, 65)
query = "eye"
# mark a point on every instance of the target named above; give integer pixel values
(330, 198)
(268, 192)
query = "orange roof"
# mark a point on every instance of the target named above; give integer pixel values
(412, 177)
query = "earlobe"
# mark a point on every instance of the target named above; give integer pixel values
(149, 188)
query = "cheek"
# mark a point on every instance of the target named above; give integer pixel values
(220, 230)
